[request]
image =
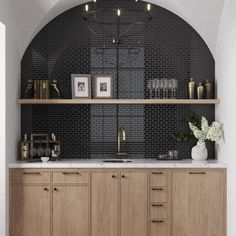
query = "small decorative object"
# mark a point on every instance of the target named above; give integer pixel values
(103, 86)
(55, 89)
(29, 92)
(208, 86)
(81, 86)
(200, 91)
(44, 159)
(191, 89)
(213, 133)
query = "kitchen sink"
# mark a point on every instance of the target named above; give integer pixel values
(117, 161)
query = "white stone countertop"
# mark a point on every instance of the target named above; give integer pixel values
(137, 163)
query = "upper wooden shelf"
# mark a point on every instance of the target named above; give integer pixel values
(118, 101)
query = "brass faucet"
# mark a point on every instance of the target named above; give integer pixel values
(119, 153)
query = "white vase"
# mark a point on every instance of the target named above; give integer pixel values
(199, 152)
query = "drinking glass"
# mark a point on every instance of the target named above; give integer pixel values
(165, 88)
(161, 88)
(57, 150)
(158, 83)
(149, 87)
(175, 87)
(154, 87)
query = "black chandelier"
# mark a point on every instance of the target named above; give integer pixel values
(117, 23)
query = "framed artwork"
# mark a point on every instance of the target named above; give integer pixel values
(103, 86)
(81, 86)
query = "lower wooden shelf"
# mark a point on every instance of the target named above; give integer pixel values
(118, 101)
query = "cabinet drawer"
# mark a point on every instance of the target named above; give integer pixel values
(157, 178)
(157, 227)
(29, 176)
(157, 210)
(158, 194)
(70, 176)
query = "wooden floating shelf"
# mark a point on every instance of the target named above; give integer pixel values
(118, 101)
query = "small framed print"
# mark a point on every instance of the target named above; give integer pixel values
(81, 86)
(103, 86)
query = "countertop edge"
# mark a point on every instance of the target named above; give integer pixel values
(137, 164)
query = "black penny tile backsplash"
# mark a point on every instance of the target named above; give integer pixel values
(167, 48)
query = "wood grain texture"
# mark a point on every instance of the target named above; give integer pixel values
(118, 101)
(134, 204)
(104, 204)
(30, 210)
(70, 210)
(198, 203)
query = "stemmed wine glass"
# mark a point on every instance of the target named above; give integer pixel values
(158, 90)
(175, 87)
(165, 88)
(149, 87)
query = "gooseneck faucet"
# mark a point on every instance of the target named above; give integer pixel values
(119, 153)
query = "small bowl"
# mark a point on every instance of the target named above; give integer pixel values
(44, 159)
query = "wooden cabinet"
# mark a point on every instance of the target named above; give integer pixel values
(70, 210)
(104, 204)
(30, 210)
(134, 204)
(117, 202)
(198, 199)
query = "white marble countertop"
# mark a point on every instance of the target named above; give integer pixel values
(137, 163)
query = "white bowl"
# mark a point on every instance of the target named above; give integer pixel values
(44, 159)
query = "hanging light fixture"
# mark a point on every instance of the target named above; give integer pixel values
(130, 21)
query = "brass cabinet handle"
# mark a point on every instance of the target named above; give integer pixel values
(157, 173)
(31, 173)
(55, 189)
(157, 189)
(46, 189)
(123, 176)
(158, 221)
(157, 205)
(70, 173)
(197, 173)
(113, 176)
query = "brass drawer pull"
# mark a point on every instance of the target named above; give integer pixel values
(157, 173)
(158, 221)
(197, 173)
(70, 173)
(31, 173)
(157, 189)
(158, 205)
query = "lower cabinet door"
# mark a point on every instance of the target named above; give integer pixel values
(30, 210)
(70, 210)
(198, 203)
(104, 200)
(134, 204)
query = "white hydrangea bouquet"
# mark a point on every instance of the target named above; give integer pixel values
(213, 133)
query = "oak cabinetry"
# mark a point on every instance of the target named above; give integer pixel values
(133, 204)
(198, 199)
(70, 208)
(104, 204)
(30, 203)
(119, 203)
(159, 203)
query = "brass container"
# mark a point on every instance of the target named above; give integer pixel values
(200, 91)
(191, 89)
(208, 86)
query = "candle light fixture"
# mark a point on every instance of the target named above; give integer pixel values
(127, 20)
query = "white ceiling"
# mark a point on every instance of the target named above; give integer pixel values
(32, 15)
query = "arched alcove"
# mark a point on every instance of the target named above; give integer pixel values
(168, 48)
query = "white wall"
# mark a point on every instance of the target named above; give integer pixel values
(9, 91)
(203, 15)
(226, 111)
(2, 126)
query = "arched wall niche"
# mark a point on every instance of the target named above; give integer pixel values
(168, 48)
